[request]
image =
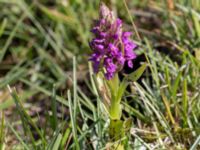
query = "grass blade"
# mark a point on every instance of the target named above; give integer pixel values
(74, 129)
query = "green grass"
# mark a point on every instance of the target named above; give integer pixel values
(48, 96)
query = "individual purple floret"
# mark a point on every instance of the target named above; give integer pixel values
(111, 46)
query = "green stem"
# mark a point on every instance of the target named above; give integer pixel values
(115, 110)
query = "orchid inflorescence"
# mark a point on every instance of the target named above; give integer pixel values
(111, 46)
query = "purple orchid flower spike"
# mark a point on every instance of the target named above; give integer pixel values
(111, 46)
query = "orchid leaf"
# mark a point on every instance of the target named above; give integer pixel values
(121, 90)
(137, 74)
(127, 124)
(113, 85)
(133, 77)
(103, 89)
(116, 130)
